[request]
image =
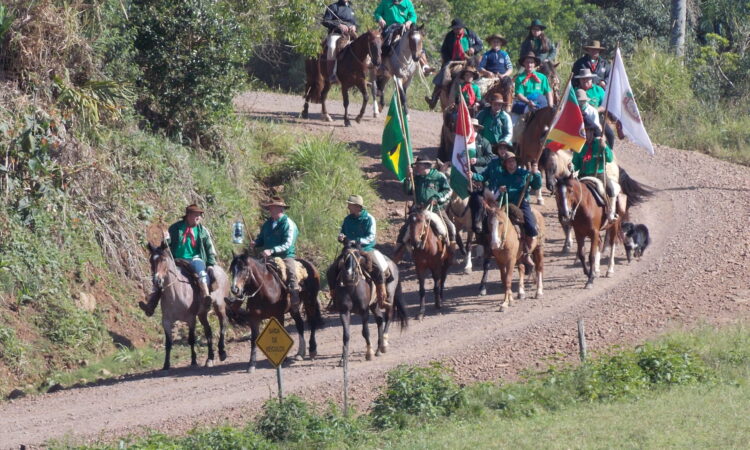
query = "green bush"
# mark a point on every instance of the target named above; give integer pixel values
(289, 420)
(426, 392)
(11, 349)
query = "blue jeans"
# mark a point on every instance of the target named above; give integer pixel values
(199, 266)
(529, 225)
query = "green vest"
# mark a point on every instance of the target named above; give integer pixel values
(280, 239)
(588, 162)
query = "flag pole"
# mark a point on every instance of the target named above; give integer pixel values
(558, 109)
(604, 122)
(401, 122)
(466, 146)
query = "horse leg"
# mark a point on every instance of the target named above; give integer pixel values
(580, 241)
(568, 238)
(305, 109)
(167, 343)
(485, 272)
(254, 331)
(191, 341)
(209, 338)
(366, 333)
(402, 93)
(593, 260)
(300, 326)
(345, 95)
(436, 279)
(539, 198)
(597, 254)
(467, 249)
(539, 268)
(374, 89)
(420, 314)
(521, 281)
(612, 238)
(345, 325)
(379, 319)
(323, 95)
(362, 86)
(221, 313)
(506, 276)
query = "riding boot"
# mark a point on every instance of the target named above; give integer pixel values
(432, 100)
(206, 295)
(152, 300)
(382, 296)
(612, 209)
(528, 245)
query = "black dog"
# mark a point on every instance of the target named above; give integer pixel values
(635, 238)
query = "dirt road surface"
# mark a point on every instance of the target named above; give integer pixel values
(696, 271)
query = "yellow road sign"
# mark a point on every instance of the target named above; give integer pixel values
(274, 342)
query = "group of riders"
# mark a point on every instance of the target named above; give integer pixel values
(492, 163)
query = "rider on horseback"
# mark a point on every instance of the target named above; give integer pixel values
(432, 193)
(590, 114)
(469, 89)
(340, 21)
(189, 241)
(278, 238)
(459, 44)
(394, 16)
(495, 122)
(482, 155)
(596, 95)
(536, 42)
(598, 66)
(532, 88)
(591, 162)
(496, 62)
(360, 227)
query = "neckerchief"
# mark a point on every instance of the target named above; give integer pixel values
(531, 75)
(593, 65)
(458, 51)
(469, 89)
(189, 234)
(589, 153)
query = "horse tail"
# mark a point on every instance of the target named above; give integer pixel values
(314, 84)
(311, 286)
(636, 192)
(399, 308)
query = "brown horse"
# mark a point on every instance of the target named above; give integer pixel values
(178, 303)
(351, 71)
(353, 294)
(430, 253)
(267, 296)
(555, 165)
(531, 142)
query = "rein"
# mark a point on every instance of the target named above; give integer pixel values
(358, 270)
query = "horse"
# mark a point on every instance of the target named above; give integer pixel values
(267, 296)
(555, 165)
(531, 142)
(549, 69)
(430, 253)
(353, 293)
(492, 222)
(179, 303)
(351, 71)
(403, 61)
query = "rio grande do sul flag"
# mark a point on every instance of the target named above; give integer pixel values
(464, 142)
(620, 103)
(396, 153)
(567, 131)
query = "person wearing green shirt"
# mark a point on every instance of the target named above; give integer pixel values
(591, 162)
(432, 191)
(359, 228)
(278, 238)
(596, 94)
(393, 16)
(190, 241)
(532, 88)
(469, 89)
(496, 123)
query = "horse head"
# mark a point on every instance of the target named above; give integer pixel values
(549, 70)
(374, 42)
(416, 40)
(496, 220)
(159, 257)
(418, 224)
(548, 164)
(567, 192)
(350, 270)
(243, 279)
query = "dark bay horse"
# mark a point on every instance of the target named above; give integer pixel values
(351, 70)
(402, 63)
(430, 253)
(353, 293)
(531, 142)
(178, 303)
(267, 296)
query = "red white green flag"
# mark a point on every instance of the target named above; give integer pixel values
(465, 140)
(567, 131)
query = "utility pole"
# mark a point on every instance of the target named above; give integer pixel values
(679, 19)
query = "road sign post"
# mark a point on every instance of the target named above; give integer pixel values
(275, 343)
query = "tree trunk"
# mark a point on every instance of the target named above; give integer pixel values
(679, 19)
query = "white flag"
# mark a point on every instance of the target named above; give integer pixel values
(620, 102)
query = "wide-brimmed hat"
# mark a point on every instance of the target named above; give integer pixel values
(594, 45)
(475, 123)
(423, 160)
(356, 200)
(497, 97)
(537, 23)
(530, 55)
(581, 95)
(585, 73)
(469, 69)
(275, 201)
(498, 145)
(193, 209)
(509, 156)
(457, 23)
(497, 36)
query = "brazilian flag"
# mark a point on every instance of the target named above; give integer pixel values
(396, 147)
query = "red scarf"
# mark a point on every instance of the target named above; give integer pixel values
(531, 75)
(589, 152)
(593, 65)
(469, 88)
(458, 51)
(189, 234)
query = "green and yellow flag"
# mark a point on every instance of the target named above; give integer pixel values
(396, 153)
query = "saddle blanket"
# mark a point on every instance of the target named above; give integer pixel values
(281, 268)
(598, 188)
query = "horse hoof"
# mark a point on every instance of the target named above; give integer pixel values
(298, 357)
(165, 368)
(540, 201)
(482, 292)
(193, 363)
(328, 118)
(467, 270)
(347, 124)
(610, 273)
(589, 285)
(210, 363)
(251, 369)
(304, 115)
(565, 250)
(522, 296)
(539, 294)
(358, 119)
(503, 308)
(313, 355)
(383, 348)
(420, 317)
(341, 362)
(222, 356)
(368, 355)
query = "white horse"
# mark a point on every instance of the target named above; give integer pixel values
(401, 64)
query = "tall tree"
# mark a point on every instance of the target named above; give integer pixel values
(679, 19)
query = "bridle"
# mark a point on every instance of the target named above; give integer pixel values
(244, 296)
(572, 214)
(350, 255)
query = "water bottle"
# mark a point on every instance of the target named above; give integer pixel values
(239, 232)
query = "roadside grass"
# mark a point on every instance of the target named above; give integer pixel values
(686, 389)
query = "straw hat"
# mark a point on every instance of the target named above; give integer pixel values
(193, 209)
(475, 123)
(594, 45)
(585, 73)
(275, 201)
(497, 36)
(508, 157)
(356, 200)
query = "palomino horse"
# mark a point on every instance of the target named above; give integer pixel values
(351, 70)
(531, 141)
(555, 165)
(504, 243)
(178, 303)
(267, 296)
(402, 63)
(353, 293)
(430, 253)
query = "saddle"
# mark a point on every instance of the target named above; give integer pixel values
(596, 187)
(279, 266)
(187, 270)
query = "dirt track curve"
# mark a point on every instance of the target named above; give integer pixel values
(695, 271)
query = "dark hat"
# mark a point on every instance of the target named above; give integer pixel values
(509, 156)
(497, 36)
(457, 23)
(537, 23)
(594, 45)
(424, 160)
(585, 73)
(502, 144)
(193, 209)
(530, 55)
(470, 70)
(275, 201)
(497, 97)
